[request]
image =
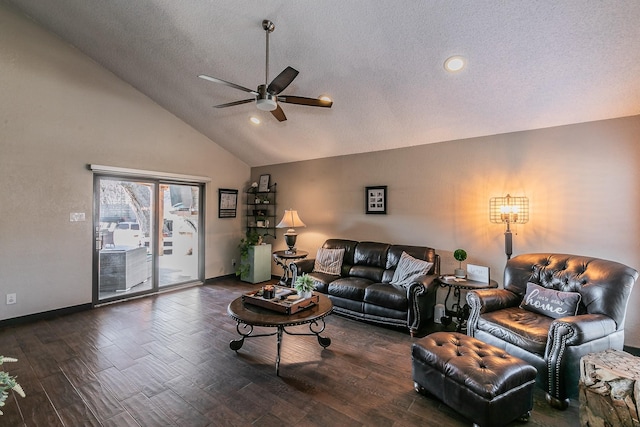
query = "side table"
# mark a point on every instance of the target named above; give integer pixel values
(283, 259)
(458, 311)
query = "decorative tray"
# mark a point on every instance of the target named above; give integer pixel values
(286, 300)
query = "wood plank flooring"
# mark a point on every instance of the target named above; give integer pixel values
(165, 361)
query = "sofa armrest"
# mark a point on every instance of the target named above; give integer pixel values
(421, 295)
(302, 266)
(486, 300)
(571, 331)
(576, 330)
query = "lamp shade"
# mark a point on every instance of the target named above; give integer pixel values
(290, 219)
(509, 209)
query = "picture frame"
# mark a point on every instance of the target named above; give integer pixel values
(376, 199)
(227, 203)
(263, 183)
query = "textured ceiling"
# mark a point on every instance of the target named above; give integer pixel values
(531, 64)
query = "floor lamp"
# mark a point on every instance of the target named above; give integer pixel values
(508, 210)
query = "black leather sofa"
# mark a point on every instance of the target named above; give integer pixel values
(554, 345)
(363, 290)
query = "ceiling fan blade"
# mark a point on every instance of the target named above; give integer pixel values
(279, 114)
(312, 102)
(282, 80)
(233, 85)
(231, 104)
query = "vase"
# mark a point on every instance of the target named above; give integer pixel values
(306, 294)
(459, 273)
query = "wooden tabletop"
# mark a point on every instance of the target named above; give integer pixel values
(258, 316)
(285, 254)
(466, 283)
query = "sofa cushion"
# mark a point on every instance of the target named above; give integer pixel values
(373, 274)
(409, 269)
(519, 327)
(419, 252)
(321, 281)
(550, 302)
(352, 288)
(329, 261)
(371, 254)
(388, 296)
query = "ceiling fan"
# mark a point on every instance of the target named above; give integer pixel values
(267, 97)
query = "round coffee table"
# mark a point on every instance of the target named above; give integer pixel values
(247, 316)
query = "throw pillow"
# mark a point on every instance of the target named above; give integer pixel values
(409, 269)
(329, 261)
(551, 303)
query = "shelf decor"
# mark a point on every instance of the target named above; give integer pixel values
(376, 199)
(227, 203)
(263, 185)
(261, 209)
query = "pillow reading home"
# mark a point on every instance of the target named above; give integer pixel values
(552, 303)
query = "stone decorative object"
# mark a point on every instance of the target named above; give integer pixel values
(609, 389)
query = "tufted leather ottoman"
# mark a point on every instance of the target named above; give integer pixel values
(480, 381)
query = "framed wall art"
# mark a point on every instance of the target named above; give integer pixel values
(227, 203)
(376, 199)
(263, 184)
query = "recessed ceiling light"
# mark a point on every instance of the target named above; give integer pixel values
(325, 98)
(254, 120)
(454, 63)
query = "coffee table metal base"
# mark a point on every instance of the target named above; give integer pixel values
(246, 331)
(249, 316)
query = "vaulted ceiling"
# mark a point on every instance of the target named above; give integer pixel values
(530, 64)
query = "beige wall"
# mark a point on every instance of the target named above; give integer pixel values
(581, 181)
(60, 111)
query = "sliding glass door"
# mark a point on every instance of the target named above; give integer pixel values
(180, 213)
(147, 236)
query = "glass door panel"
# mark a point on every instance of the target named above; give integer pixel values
(178, 255)
(124, 237)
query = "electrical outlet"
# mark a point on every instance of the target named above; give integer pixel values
(11, 298)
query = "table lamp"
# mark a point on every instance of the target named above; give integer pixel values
(290, 220)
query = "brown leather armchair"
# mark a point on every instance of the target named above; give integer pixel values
(555, 346)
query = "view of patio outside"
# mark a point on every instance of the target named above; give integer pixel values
(127, 235)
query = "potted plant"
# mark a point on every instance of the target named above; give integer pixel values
(250, 240)
(460, 255)
(304, 285)
(8, 382)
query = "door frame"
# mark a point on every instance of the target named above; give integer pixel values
(157, 179)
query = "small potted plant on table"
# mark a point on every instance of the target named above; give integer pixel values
(304, 285)
(460, 255)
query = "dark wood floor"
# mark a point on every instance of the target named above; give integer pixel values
(165, 361)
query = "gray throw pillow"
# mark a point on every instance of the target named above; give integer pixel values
(409, 269)
(551, 303)
(329, 261)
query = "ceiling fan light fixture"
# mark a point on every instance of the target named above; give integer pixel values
(268, 96)
(267, 104)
